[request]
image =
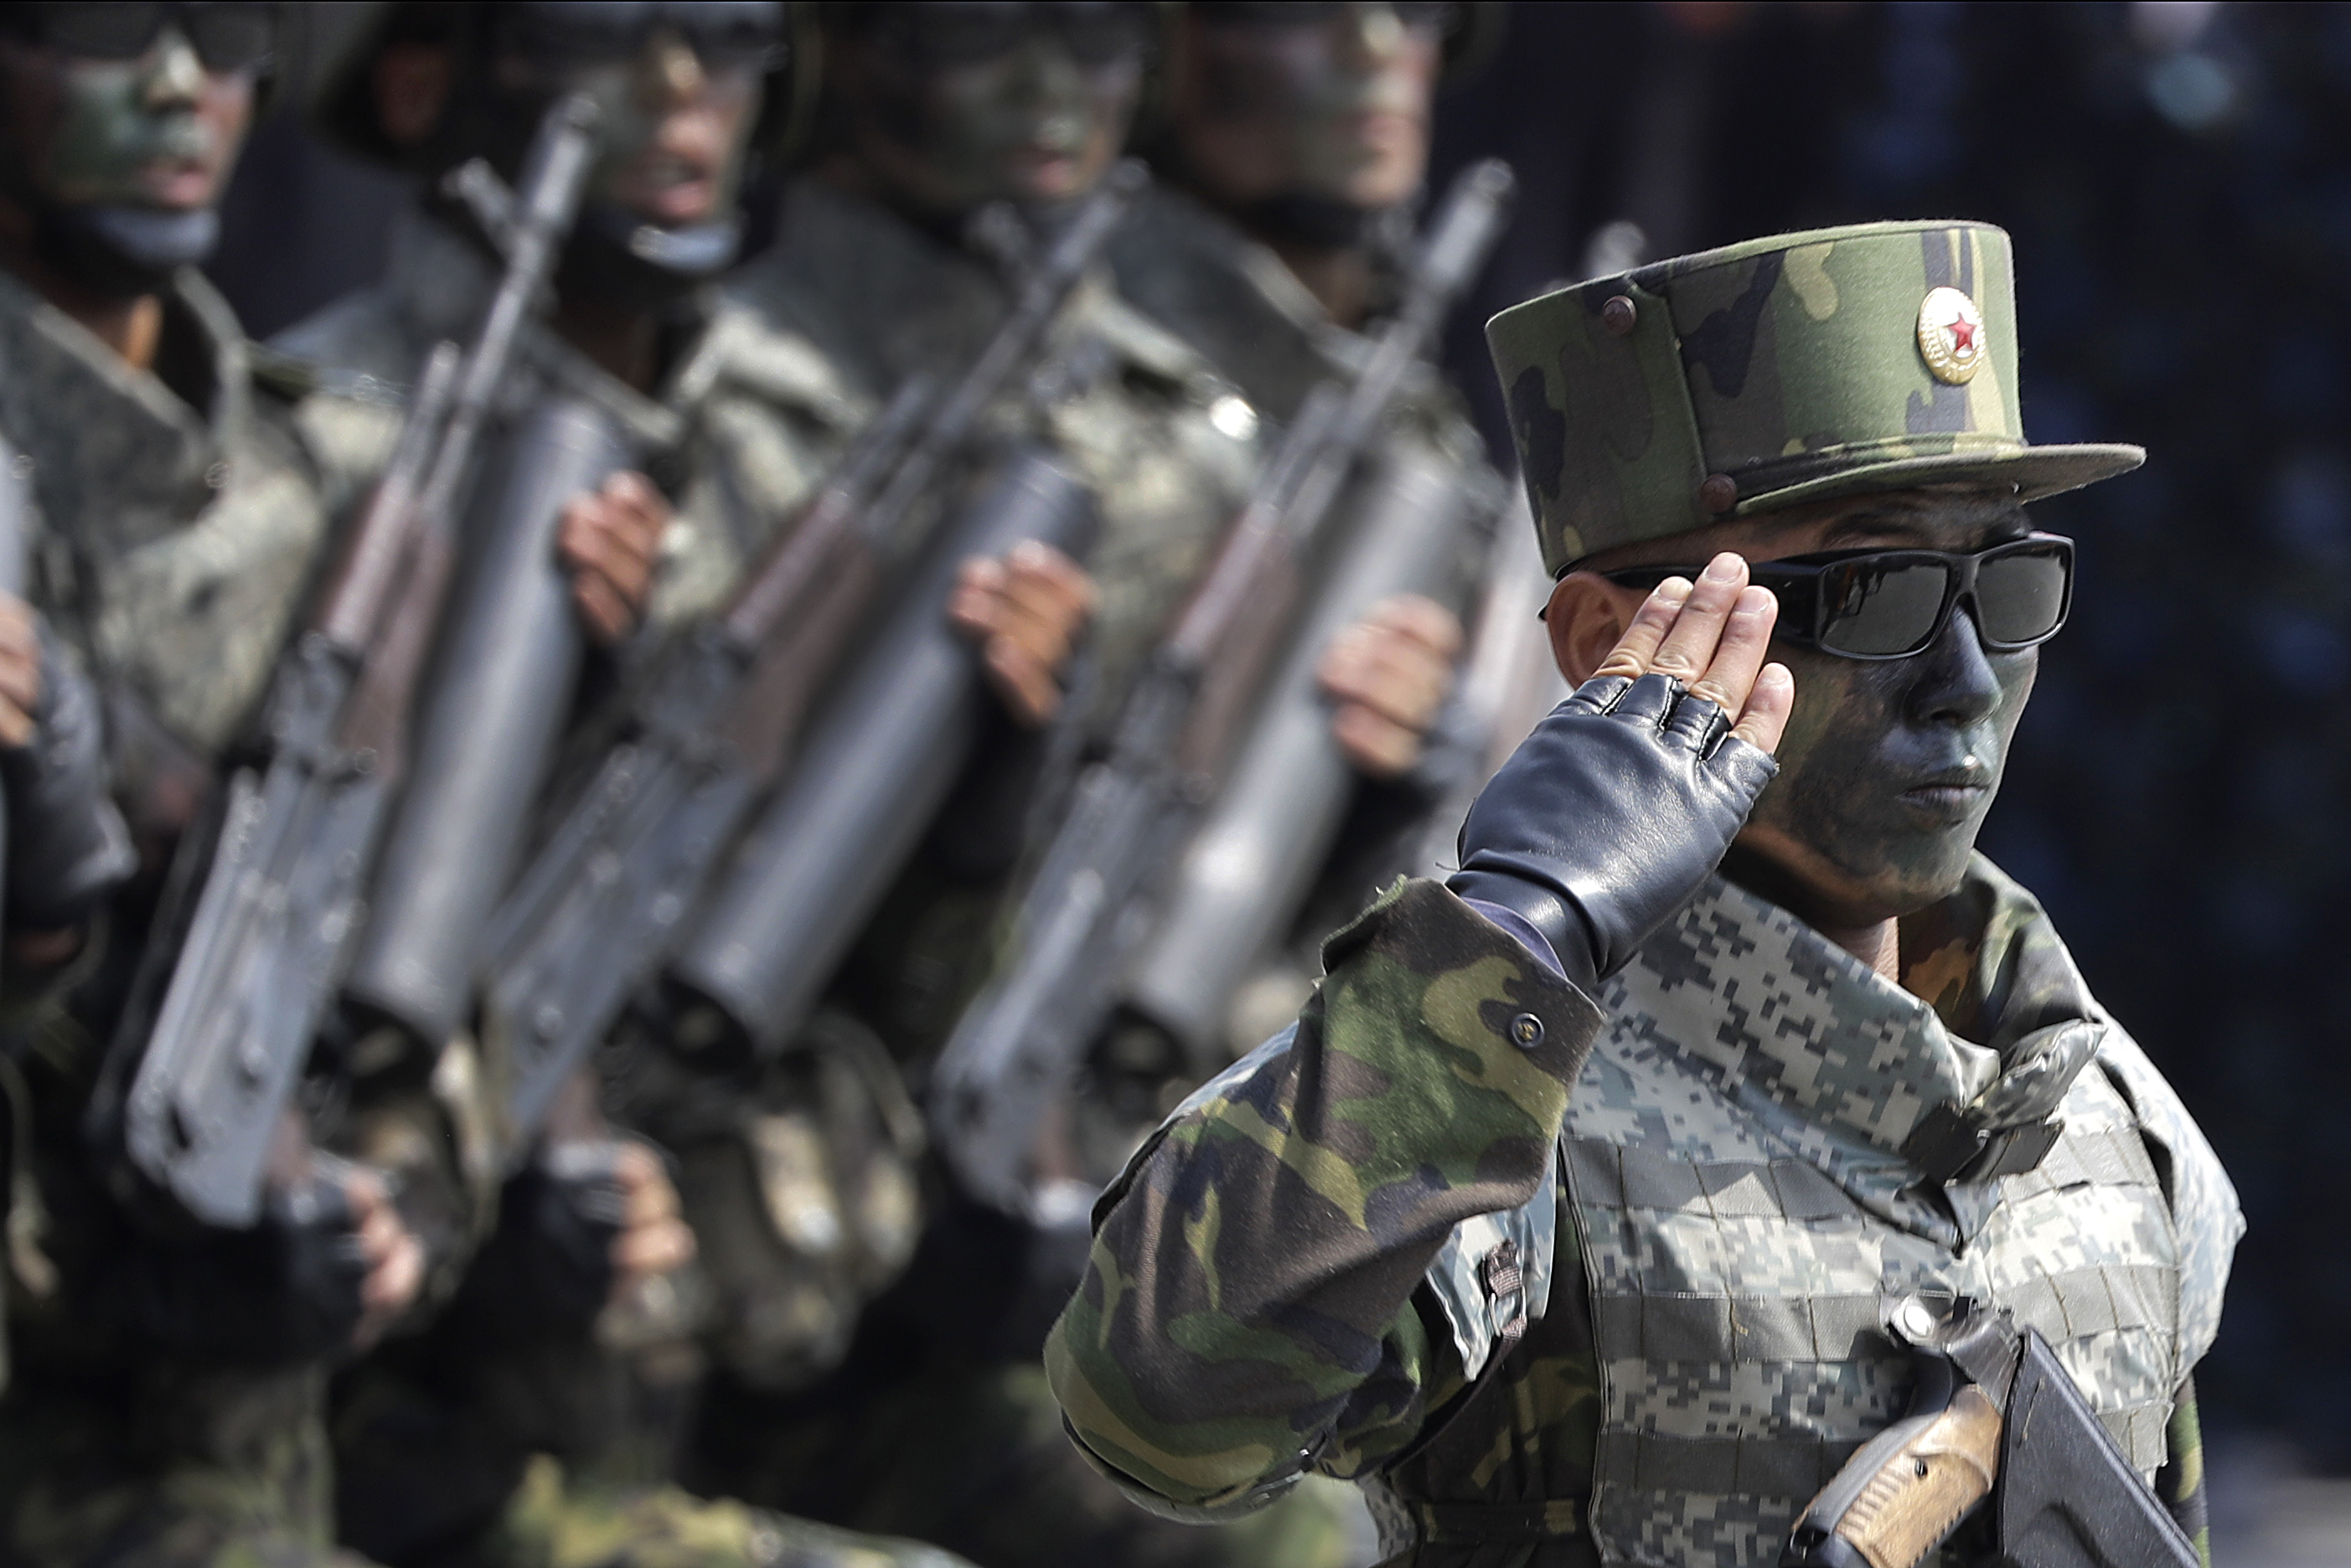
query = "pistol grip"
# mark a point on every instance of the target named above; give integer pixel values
(1934, 1476)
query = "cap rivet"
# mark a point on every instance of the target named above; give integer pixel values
(1526, 1031)
(1719, 493)
(1619, 314)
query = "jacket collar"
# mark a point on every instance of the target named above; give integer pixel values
(119, 458)
(1844, 1065)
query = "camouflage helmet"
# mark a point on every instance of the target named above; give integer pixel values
(1765, 374)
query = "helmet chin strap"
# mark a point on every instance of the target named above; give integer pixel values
(120, 253)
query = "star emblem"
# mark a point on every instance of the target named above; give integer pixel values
(1950, 335)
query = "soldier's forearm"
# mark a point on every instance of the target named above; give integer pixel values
(1248, 1306)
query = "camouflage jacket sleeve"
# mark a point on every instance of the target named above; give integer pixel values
(1252, 1307)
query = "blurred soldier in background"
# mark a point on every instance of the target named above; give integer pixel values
(937, 1426)
(1294, 141)
(167, 1398)
(170, 1404)
(510, 1430)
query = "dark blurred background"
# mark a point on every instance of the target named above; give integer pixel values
(2177, 177)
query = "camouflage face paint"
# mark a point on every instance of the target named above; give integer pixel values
(1332, 103)
(1887, 767)
(675, 125)
(1038, 122)
(157, 132)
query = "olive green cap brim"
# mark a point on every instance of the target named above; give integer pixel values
(2033, 473)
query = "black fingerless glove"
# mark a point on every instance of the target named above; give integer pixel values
(549, 1269)
(68, 847)
(283, 1292)
(1608, 817)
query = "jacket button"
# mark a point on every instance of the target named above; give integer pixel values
(1526, 1031)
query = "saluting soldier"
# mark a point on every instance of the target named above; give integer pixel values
(1592, 1207)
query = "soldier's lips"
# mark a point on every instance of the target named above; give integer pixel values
(177, 182)
(1045, 172)
(1946, 801)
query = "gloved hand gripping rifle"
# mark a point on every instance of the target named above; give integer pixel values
(264, 950)
(600, 909)
(1021, 1040)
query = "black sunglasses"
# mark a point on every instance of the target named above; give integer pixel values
(1891, 604)
(226, 37)
(722, 33)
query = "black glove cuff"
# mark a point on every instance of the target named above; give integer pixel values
(1548, 910)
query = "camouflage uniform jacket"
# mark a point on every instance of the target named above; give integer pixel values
(1277, 1283)
(179, 524)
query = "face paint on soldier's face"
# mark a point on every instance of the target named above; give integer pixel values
(1333, 105)
(675, 126)
(160, 132)
(1035, 123)
(1888, 767)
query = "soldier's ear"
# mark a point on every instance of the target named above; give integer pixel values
(1586, 617)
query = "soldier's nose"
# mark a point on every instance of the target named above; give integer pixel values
(1953, 681)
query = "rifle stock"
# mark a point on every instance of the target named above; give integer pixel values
(281, 897)
(600, 908)
(1021, 1040)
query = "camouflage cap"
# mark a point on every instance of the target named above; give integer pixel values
(1763, 374)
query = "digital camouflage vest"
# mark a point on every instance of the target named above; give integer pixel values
(1733, 1170)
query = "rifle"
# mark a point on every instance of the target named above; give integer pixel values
(486, 728)
(252, 979)
(601, 907)
(1253, 860)
(1022, 1038)
(1994, 1415)
(877, 767)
